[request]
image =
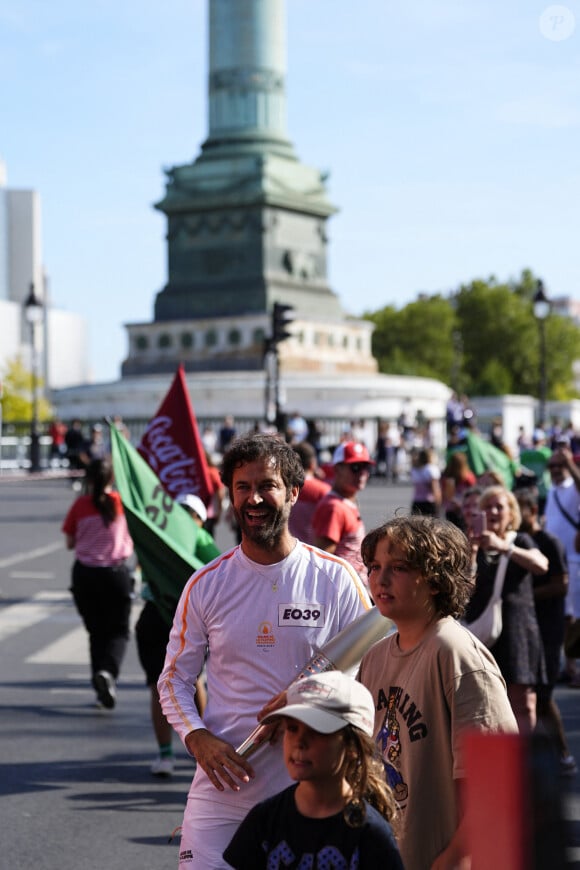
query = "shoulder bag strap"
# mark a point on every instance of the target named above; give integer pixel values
(500, 573)
(565, 513)
(499, 577)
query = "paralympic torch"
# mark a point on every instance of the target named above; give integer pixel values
(341, 653)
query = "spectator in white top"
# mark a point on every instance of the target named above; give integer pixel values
(426, 480)
(562, 519)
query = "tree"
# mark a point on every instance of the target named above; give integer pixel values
(497, 324)
(417, 340)
(17, 400)
(563, 343)
(483, 339)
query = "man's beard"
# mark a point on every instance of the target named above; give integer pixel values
(268, 534)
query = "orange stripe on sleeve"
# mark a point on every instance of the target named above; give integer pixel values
(330, 557)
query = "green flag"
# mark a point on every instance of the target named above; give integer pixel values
(163, 533)
(483, 456)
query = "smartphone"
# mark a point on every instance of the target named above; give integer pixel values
(478, 523)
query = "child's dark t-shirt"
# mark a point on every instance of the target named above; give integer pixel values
(275, 834)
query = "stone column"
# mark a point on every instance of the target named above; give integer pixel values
(247, 68)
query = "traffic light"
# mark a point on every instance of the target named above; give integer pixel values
(281, 318)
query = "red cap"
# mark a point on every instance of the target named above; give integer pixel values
(351, 451)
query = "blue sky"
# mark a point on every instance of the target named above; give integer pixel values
(450, 130)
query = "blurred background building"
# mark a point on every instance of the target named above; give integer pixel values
(62, 345)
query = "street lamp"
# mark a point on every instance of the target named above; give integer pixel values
(542, 306)
(33, 312)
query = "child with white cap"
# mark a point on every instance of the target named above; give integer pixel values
(338, 813)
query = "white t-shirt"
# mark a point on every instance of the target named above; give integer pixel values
(261, 624)
(556, 523)
(422, 478)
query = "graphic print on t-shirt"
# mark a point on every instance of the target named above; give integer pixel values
(388, 740)
(400, 710)
(265, 638)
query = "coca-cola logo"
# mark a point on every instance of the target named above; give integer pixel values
(177, 471)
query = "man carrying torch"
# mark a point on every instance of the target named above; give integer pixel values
(260, 611)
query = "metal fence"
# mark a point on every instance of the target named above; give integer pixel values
(15, 437)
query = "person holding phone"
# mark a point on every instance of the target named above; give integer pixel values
(518, 650)
(478, 524)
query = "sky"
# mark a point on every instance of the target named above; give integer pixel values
(449, 129)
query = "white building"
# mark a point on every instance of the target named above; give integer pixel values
(62, 342)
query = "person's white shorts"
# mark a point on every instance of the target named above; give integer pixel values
(208, 827)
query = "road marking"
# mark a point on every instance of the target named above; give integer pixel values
(18, 617)
(31, 554)
(70, 647)
(32, 575)
(126, 677)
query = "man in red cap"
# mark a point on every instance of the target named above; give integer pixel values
(336, 523)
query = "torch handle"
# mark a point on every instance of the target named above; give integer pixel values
(341, 653)
(315, 665)
(252, 741)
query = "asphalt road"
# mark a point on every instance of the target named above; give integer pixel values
(75, 785)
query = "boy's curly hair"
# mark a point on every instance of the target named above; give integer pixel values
(436, 548)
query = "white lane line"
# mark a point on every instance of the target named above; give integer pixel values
(31, 554)
(70, 647)
(32, 575)
(18, 617)
(54, 595)
(126, 677)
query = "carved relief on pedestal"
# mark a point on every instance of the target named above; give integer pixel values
(300, 264)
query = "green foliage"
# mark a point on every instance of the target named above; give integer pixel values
(498, 325)
(483, 339)
(493, 380)
(17, 400)
(417, 340)
(563, 348)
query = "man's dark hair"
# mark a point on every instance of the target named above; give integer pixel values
(255, 447)
(527, 498)
(306, 454)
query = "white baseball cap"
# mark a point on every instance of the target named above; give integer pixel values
(328, 702)
(194, 503)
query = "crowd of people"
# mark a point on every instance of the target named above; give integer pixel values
(359, 770)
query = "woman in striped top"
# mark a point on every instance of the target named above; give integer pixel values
(102, 582)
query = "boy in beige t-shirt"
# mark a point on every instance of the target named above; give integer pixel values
(430, 681)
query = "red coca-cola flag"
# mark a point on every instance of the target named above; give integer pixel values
(171, 445)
